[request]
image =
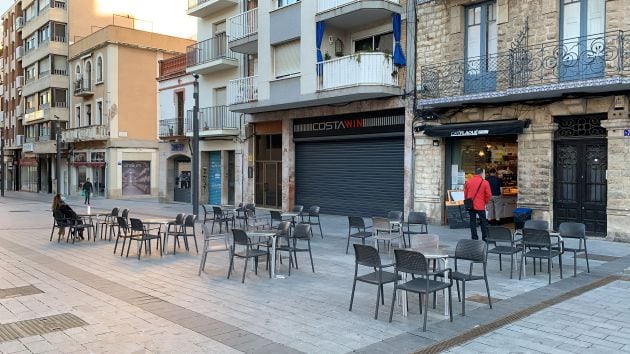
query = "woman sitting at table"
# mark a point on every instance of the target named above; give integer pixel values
(60, 205)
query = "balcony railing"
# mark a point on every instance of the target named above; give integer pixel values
(172, 67)
(356, 70)
(91, 132)
(19, 23)
(325, 5)
(171, 127)
(208, 50)
(19, 52)
(243, 90)
(58, 4)
(83, 88)
(19, 81)
(214, 118)
(591, 57)
(243, 24)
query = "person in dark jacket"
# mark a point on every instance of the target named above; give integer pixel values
(495, 208)
(87, 191)
(67, 212)
(478, 190)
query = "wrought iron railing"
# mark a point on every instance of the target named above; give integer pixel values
(208, 50)
(171, 127)
(214, 118)
(82, 87)
(583, 58)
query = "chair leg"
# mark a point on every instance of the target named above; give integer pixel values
(231, 263)
(310, 254)
(140, 249)
(354, 285)
(463, 298)
(244, 271)
(450, 303)
(485, 277)
(320, 228)
(347, 244)
(511, 264)
(520, 267)
(588, 268)
(457, 285)
(195, 239)
(378, 301)
(560, 263)
(575, 263)
(202, 265)
(426, 306)
(500, 263)
(420, 302)
(391, 310)
(382, 296)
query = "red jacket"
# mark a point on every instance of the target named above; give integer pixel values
(484, 195)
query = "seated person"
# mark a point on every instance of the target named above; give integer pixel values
(67, 212)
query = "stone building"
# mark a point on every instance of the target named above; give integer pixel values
(538, 91)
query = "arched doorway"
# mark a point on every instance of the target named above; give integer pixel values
(180, 175)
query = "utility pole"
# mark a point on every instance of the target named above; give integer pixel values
(58, 162)
(195, 147)
(2, 162)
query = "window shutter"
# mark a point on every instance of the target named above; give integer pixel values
(287, 59)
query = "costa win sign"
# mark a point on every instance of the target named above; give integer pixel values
(341, 124)
(390, 121)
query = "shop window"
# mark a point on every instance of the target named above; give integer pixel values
(377, 43)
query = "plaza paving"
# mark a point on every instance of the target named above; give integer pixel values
(161, 305)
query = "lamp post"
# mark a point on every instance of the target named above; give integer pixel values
(58, 162)
(2, 162)
(195, 147)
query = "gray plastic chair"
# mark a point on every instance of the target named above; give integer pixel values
(504, 242)
(577, 231)
(416, 218)
(241, 239)
(473, 251)
(543, 249)
(357, 223)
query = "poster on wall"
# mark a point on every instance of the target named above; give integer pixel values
(136, 177)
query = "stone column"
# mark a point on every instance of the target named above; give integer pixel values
(428, 175)
(288, 165)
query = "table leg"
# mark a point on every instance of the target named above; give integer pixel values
(446, 299)
(165, 243)
(273, 257)
(403, 295)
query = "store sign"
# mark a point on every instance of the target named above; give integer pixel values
(390, 121)
(626, 132)
(339, 124)
(473, 132)
(28, 147)
(28, 162)
(97, 156)
(177, 147)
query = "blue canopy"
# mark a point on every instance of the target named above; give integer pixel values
(319, 35)
(399, 57)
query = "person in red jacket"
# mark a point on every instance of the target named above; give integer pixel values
(479, 191)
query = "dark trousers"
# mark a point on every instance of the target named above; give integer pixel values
(87, 197)
(473, 224)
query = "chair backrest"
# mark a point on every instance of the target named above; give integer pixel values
(250, 214)
(122, 223)
(417, 218)
(60, 219)
(205, 211)
(115, 212)
(136, 225)
(250, 206)
(471, 250)
(366, 255)
(313, 211)
(410, 262)
(284, 229)
(189, 221)
(240, 237)
(217, 211)
(536, 237)
(572, 230)
(275, 215)
(499, 234)
(426, 241)
(356, 222)
(179, 219)
(302, 231)
(381, 224)
(395, 216)
(125, 213)
(537, 224)
(297, 208)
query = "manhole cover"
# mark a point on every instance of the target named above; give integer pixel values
(20, 291)
(38, 326)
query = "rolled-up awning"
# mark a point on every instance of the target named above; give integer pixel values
(486, 128)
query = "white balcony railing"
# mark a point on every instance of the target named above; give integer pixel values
(242, 25)
(243, 90)
(19, 52)
(358, 69)
(19, 22)
(91, 132)
(325, 5)
(19, 81)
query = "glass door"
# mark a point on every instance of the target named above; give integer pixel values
(582, 39)
(480, 48)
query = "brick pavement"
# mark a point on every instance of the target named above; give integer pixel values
(161, 305)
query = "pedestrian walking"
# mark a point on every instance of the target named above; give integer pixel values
(478, 190)
(87, 191)
(495, 208)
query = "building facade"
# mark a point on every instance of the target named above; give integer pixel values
(112, 130)
(536, 90)
(324, 89)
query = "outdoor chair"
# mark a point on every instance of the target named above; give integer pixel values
(247, 251)
(313, 219)
(283, 233)
(473, 251)
(301, 234)
(208, 238)
(60, 222)
(74, 226)
(537, 225)
(419, 219)
(207, 216)
(505, 244)
(357, 224)
(299, 209)
(123, 232)
(254, 221)
(422, 242)
(108, 223)
(221, 217)
(383, 230)
(574, 231)
(240, 214)
(124, 215)
(187, 230)
(143, 236)
(275, 216)
(542, 246)
(367, 256)
(415, 263)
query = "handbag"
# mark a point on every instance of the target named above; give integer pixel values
(83, 192)
(468, 202)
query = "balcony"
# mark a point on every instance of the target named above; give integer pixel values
(19, 82)
(203, 8)
(242, 31)
(210, 56)
(243, 90)
(589, 64)
(57, 45)
(359, 69)
(172, 67)
(19, 52)
(56, 12)
(214, 121)
(347, 14)
(19, 23)
(58, 79)
(88, 133)
(83, 88)
(171, 128)
(46, 113)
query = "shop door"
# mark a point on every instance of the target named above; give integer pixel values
(580, 184)
(269, 184)
(214, 178)
(583, 40)
(231, 176)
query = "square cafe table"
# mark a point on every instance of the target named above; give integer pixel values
(429, 253)
(271, 235)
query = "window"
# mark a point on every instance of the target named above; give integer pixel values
(44, 99)
(44, 34)
(31, 12)
(30, 104)
(30, 73)
(287, 59)
(31, 43)
(480, 48)
(44, 67)
(88, 114)
(99, 69)
(99, 112)
(77, 115)
(286, 2)
(219, 28)
(88, 74)
(43, 4)
(378, 43)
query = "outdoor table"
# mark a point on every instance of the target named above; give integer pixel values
(160, 222)
(90, 219)
(270, 235)
(429, 253)
(291, 215)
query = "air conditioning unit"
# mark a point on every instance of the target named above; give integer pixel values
(19, 140)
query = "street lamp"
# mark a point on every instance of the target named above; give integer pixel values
(195, 147)
(2, 161)
(58, 163)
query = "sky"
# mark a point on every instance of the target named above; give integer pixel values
(162, 16)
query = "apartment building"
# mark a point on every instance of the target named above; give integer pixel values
(220, 129)
(112, 130)
(536, 90)
(324, 89)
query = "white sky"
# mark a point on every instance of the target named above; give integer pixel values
(162, 16)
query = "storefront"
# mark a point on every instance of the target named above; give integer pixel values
(29, 177)
(89, 164)
(351, 164)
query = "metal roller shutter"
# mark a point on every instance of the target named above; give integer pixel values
(362, 177)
